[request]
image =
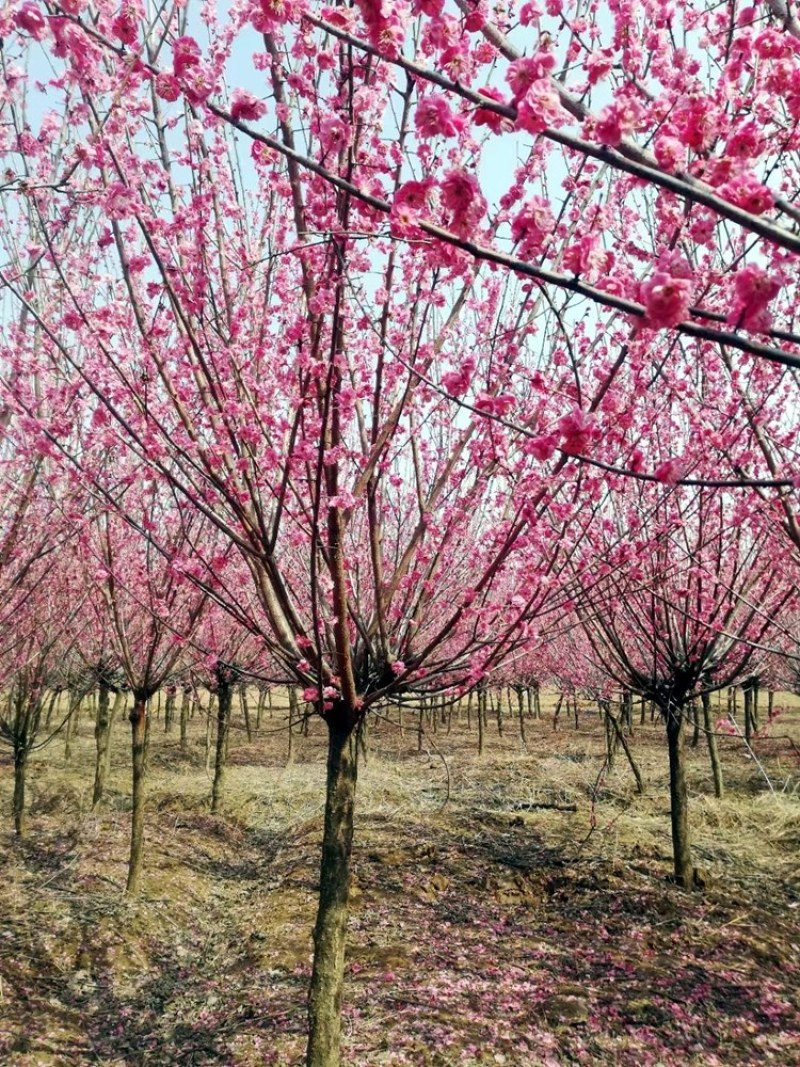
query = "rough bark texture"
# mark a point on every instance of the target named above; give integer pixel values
(325, 994)
(102, 737)
(20, 770)
(138, 721)
(679, 800)
(716, 768)
(184, 720)
(224, 695)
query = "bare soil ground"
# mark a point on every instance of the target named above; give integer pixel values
(484, 930)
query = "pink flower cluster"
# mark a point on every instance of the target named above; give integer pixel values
(753, 290)
(667, 294)
(536, 97)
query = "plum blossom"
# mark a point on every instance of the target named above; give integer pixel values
(185, 54)
(435, 119)
(246, 107)
(747, 192)
(498, 405)
(30, 20)
(525, 72)
(412, 201)
(670, 471)
(462, 199)
(667, 294)
(457, 382)
(485, 117)
(532, 226)
(577, 430)
(542, 448)
(126, 25)
(540, 107)
(754, 288)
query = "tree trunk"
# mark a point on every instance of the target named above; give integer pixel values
(184, 720)
(679, 800)
(716, 767)
(138, 721)
(637, 774)
(169, 710)
(102, 737)
(481, 719)
(246, 712)
(224, 695)
(696, 724)
(294, 715)
(20, 770)
(521, 707)
(325, 994)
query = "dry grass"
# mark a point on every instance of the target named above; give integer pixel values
(472, 908)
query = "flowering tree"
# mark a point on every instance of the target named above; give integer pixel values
(310, 302)
(149, 611)
(686, 603)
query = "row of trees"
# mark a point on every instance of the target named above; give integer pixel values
(387, 356)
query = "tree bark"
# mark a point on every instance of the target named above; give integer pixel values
(18, 807)
(102, 736)
(294, 715)
(679, 798)
(184, 719)
(325, 994)
(246, 712)
(224, 695)
(138, 721)
(713, 752)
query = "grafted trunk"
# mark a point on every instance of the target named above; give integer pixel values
(325, 994)
(18, 804)
(679, 798)
(138, 721)
(713, 751)
(224, 695)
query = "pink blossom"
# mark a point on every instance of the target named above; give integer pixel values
(532, 226)
(167, 86)
(310, 694)
(334, 134)
(457, 383)
(435, 119)
(577, 430)
(542, 448)
(667, 295)
(670, 471)
(398, 667)
(126, 26)
(670, 152)
(31, 20)
(587, 257)
(463, 199)
(529, 15)
(610, 128)
(540, 107)
(412, 201)
(499, 404)
(246, 107)
(754, 288)
(185, 55)
(747, 192)
(523, 73)
(485, 117)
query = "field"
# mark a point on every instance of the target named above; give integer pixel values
(510, 909)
